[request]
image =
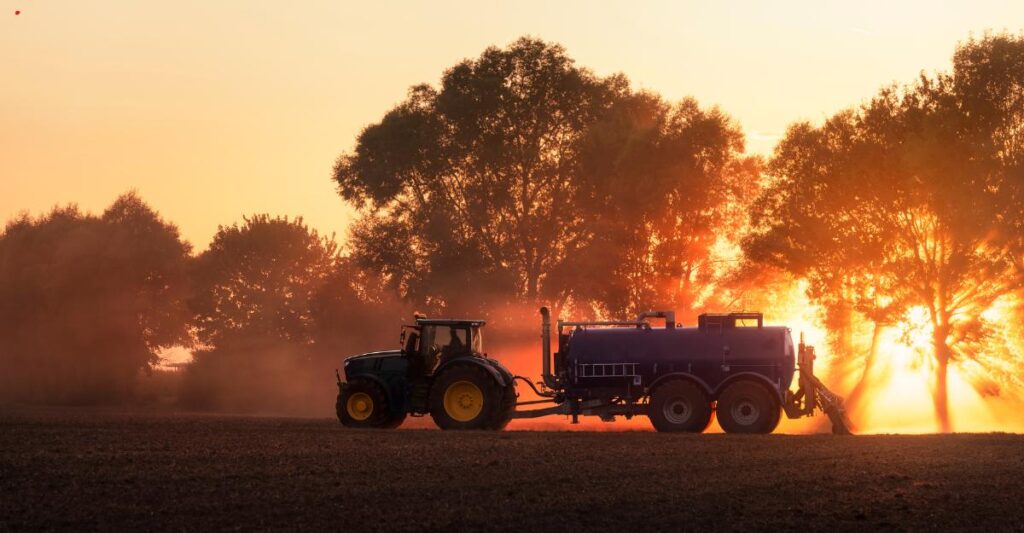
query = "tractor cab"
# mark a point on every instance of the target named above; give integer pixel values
(433, 342)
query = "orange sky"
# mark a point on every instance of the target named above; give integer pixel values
(214, 109)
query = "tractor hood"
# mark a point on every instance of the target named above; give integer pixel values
(374, 355)
(358, 364)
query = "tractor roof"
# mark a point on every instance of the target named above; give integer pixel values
(449, 322)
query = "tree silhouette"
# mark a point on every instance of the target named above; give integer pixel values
(523, 171)
(912, 199)
(810, 222)
(353, 312)
(253, 294)
(88, 302)
(470, 180)
(660, 184)
(259, 278)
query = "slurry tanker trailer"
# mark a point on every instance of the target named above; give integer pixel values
(730, 365)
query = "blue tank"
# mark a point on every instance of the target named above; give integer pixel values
(629, 361)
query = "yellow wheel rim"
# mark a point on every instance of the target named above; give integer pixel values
(463, 401)
(359, 406)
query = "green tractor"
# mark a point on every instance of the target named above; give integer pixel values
(441, 370)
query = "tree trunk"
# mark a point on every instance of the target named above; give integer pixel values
(839, 321)
(532, 284)
(940, 394)
(853, 401)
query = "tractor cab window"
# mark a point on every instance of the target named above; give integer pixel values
(456, 341)
(440, 342)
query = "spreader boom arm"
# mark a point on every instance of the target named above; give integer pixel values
(813, 394)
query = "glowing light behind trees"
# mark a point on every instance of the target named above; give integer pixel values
(909, 205)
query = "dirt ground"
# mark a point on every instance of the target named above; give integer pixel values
(86, 470)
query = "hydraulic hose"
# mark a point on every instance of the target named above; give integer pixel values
(532, 386)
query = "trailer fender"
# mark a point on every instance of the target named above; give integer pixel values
(752, 376)
(680, 375)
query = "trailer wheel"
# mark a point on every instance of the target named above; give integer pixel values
(679, 406)
(777, 412)
(363, 404)
(468, 397)
(747, 407)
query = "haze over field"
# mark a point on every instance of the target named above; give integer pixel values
(212, 110)
(261, 189)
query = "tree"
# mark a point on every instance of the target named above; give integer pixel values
(913, 199)
(661, 184)
(988, 86)
(354, 312)
(89, 302)
(522, 170)
(810, 222)
(253, 296)
(470, 180)
(259, 278)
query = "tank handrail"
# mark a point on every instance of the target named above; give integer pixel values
(602, 323)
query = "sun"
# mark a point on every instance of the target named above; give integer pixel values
(899, 397)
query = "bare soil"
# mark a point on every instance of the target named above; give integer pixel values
(108, 470)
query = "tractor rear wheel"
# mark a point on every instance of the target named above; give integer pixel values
(363, 404)
(747, 407)
(679, 406)
(469, 397)
(508, 406)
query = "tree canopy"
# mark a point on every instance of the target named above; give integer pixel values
(87, 302)
(660, 184)
(254, 299)
(910, 200)
(259, 278)
(523, 170)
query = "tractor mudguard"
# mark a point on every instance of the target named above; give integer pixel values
(496, 369)
(507, 375)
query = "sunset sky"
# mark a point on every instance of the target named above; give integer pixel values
(215, 109)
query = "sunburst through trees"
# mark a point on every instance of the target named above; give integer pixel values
(910, 205)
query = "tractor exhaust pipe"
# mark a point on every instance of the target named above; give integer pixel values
(545, 350)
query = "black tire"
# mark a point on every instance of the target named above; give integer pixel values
(394, 421)
(679, 406)
(748, 407)
(363, 404)
(508, 406)
(775, 420)
(466, 396)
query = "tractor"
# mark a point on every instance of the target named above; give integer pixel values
(441, 370)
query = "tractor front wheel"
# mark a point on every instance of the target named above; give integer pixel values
(468, 397)
(363, 404)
